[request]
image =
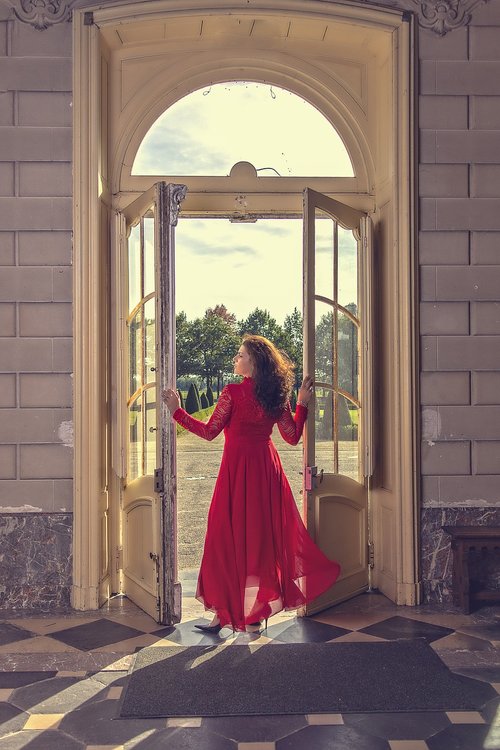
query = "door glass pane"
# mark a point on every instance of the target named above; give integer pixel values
(347, 269)
(324, 343)
(348, 355)
(150, 342)
(324, 429)
(135, 447)
(324, 256)
(348, 418)
(134, 267)
(135, 352)
(150, 437)
(149, 255)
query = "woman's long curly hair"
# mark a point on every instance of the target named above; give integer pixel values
(273, 373)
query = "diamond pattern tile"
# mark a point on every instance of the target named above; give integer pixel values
(95, 634)
(18, 679)
(11, 633)
(394, 726)
(462, 737)
(331, 738)
(300, 630)
(395, 628)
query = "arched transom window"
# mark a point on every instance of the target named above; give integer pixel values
(211, 129)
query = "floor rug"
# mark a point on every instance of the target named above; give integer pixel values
(305, 678)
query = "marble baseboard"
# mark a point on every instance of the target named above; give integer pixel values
(35, 561)
(436, 554)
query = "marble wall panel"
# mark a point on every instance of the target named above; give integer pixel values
(35, 561)
(436, 554)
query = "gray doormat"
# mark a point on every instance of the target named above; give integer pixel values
(305, 678)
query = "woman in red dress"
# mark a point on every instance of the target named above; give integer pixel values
(258, 557)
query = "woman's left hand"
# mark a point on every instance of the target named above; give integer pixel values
(305, 391)
(171, 399)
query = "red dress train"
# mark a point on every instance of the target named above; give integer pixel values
(258, 557)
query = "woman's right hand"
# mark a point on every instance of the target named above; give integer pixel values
(171, 399)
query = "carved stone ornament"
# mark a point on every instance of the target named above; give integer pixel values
(42, 13)
(176, 194)
(442, 16)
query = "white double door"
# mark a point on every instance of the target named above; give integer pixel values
(337, 440)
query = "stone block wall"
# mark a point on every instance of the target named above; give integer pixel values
(36, 456)
(459, 253)
(459, 256)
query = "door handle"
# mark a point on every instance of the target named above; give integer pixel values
(313, 478)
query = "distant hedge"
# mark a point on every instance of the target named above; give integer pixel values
(193, 403)
(210, 396)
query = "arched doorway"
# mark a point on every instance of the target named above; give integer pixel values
(143, 71)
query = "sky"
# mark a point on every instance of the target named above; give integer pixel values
(247, 265)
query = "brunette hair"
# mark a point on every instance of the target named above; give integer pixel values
(273, 373)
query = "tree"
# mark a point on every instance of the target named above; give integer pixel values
(215, 341)
(187, 355)
(261, 323)
(204, 401)
(293, 342)
(222, 312)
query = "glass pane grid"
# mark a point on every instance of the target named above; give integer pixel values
(141, 350)
(337, 329)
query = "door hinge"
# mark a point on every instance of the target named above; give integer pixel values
(371, 555)
(159, 486)
(119, 558)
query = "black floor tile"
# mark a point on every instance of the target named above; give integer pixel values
(395, 628)
(255, 728)
(58, 695)
(399, 726)
(35, 740)
(485, 674)
(18, 679)
(185, 739)
(463, 737)
(331, 738)
(95, 634)
(301, 630)
(97, 724)
(11, 633)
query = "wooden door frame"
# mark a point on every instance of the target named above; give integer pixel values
(92, 192)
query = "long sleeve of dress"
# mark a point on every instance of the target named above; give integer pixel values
(290, 425)
(208, 430)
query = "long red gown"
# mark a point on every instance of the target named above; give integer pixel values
(258, 557)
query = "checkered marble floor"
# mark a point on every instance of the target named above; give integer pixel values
(61, 678)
